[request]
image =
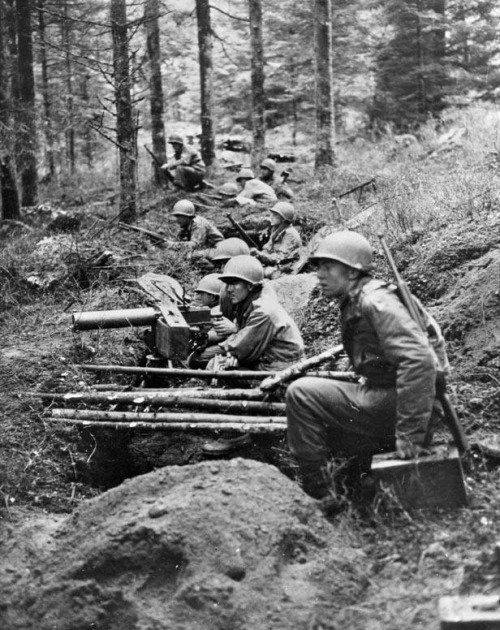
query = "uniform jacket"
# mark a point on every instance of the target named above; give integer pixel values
(282, 190)
(189, 157)
(267, 336)
(283, 245)
(201, 234)
(388, 348)
(255, 191)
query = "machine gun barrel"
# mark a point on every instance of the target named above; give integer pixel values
(122, 318)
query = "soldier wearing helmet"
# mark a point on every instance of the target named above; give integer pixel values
(196, 232)
(252, 190)
(283, 247)
(392, 402)
(266, 337)
(268, 176)
(185, 169)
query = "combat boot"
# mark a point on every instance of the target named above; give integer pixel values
(317, 484)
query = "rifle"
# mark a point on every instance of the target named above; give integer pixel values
(153, 235)
(358, 187)
(450, 415)
(246, 237)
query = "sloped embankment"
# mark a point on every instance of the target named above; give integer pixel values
(215, 545)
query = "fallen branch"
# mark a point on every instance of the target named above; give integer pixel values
(141, 416)
(299, 368)
(202, 374)
(154, 235)
(174, 426)
(139, 397)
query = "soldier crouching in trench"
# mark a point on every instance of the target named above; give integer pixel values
(390, 406)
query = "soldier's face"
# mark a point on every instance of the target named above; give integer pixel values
(334, 278)
(237, 291)
(265, 174)
(274, 218)
(177, 148)
(206, 299)
(182, 220)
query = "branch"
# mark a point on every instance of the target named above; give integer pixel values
(233, 17)
(106, 137)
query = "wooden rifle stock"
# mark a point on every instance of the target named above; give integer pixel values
(450, 415)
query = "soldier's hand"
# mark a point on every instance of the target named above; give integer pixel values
(224, 327)
(406, 449)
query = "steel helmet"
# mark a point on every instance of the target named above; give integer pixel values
(230, 247)
(269, 164)
(175, 139)
(229, 189)
(210, 284)
(244, 268)
(285, 210)
(245, 173)
(350, 248)
(183, 208)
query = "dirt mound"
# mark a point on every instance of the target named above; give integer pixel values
(216, 545)
(294, 292)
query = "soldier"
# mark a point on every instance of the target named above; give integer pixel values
(268, 176)
(208, 293)
(283, 247)
(253, 190)
(390, 405)
(196, 233)
(186, 168)
(266, 338)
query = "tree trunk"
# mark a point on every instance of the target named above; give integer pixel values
(87, 135)
(8, 190)
(325, 116)
(125, 132)
(26, 110)
(47, 104)
(151, 13)
(68, 80)
(206, 80)
(257, 82)
(4, 95)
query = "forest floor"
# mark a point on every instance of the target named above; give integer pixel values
(184, 543)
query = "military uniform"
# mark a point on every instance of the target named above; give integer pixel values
(282, 190)
(188, 169)
(281, 250)
(267, 337)
(398, 367)
(201, 234)
(255, 191)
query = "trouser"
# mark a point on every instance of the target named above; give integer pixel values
(188, 178)
(328, 418)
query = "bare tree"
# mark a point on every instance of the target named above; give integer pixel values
(257, 81)
(151, 16)
(26, 112)
(47, 102)
(9, 196)
(126, 138)
(205, 47)
(68, 80)
(325, 112)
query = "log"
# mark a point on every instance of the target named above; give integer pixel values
(298, 368)
(121, 318)
(138, 416)
(174, 426)
(157, 397)
(208, 374)
(169, 372)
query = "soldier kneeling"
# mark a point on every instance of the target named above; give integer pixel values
(391, 404)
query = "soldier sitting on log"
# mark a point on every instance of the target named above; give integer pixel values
(283, 247)
(390, 406)
(253, 190)
(185, 169)
(268, 176)
(197, 234)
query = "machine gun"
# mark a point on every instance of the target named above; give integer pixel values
(174, 324)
